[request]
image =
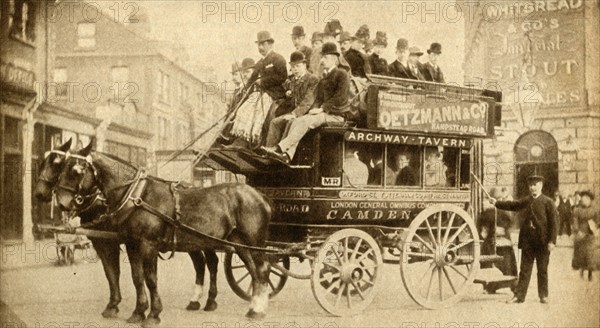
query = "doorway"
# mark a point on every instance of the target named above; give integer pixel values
(536, 152)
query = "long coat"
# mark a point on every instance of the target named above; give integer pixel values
(378, 65)
(332, 92)
(396, 69)
(541, 220)
(303, 93)
(272, 71)
(433, 74)
(359, 63)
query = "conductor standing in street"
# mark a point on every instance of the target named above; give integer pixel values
(537, 237)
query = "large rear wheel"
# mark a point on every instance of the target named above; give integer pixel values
(345, 272)
(440, 256)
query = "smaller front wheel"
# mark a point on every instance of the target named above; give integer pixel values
(238, 277)
(345, 272)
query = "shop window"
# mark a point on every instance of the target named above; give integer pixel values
(163, 87)
(440, 167)
(60, 78)
(403, 167)
(23, 20)
(86, 33)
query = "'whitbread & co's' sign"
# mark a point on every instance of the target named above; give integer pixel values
(423, 114)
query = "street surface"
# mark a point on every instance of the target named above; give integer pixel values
(36, 292)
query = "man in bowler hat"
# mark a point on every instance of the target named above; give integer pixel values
(331, 106)
(298, 39)
(271, 70)
(399, 67)
(431, 70)
(537, 237)
(300, 90)
(330, 34)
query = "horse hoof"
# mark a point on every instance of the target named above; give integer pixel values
(110, 312)
(136, 318)
(255, 315)
(210, 306)
(151, 322)
(193, 306)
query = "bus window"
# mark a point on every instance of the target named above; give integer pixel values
(465, 169)
(440, 169)
(403, 166)
(363, 164)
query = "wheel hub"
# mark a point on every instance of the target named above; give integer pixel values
(444, 256)
(351, 272)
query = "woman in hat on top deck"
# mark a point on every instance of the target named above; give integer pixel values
(378, 64)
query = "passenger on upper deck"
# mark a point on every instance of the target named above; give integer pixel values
(358, 60)
(332, 30)
(378, 64)
(331, 105)
(315, 57)
(298, 38)
(399, 68)
(269, 74)
(301, 92)
(414, 65)
(240, 74)
(431, 70)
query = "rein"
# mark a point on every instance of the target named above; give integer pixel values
(133, 198)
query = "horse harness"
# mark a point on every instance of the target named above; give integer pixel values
(133, 199)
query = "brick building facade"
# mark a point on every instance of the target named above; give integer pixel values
(544, 56)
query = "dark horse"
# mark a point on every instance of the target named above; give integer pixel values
(107, 249)
(146, 211)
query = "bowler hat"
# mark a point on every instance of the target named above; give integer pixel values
(297, 57)
(247, 63)
(333, 27)
(380, 39)
(402, 44)
(329, 48)
(435, 47)
(346, 36)
(317, 36)
(535, 178)
(415, 51)
(298, 31)
(264, 36)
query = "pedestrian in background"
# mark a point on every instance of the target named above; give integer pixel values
(586, 247)
(563, 205)
(537, 237)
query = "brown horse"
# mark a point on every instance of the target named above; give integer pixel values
(146, 211)
(108, 250)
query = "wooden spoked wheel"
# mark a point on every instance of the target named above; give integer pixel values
(440, 256)
(345, 272)
(240, 281)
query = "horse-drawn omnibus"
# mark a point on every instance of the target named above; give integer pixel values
(401, 183)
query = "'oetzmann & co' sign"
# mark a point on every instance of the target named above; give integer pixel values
(415, 113)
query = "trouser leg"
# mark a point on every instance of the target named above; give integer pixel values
(542, 259)
(300, 126)
(275, 132)
(527, 258)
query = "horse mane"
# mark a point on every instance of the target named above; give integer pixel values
(118, 159)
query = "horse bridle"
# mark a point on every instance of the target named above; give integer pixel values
(79, 198)
(44, 177)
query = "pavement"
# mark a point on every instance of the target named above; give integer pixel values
(36, 292)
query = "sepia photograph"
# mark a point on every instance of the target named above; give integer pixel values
(309, 163)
